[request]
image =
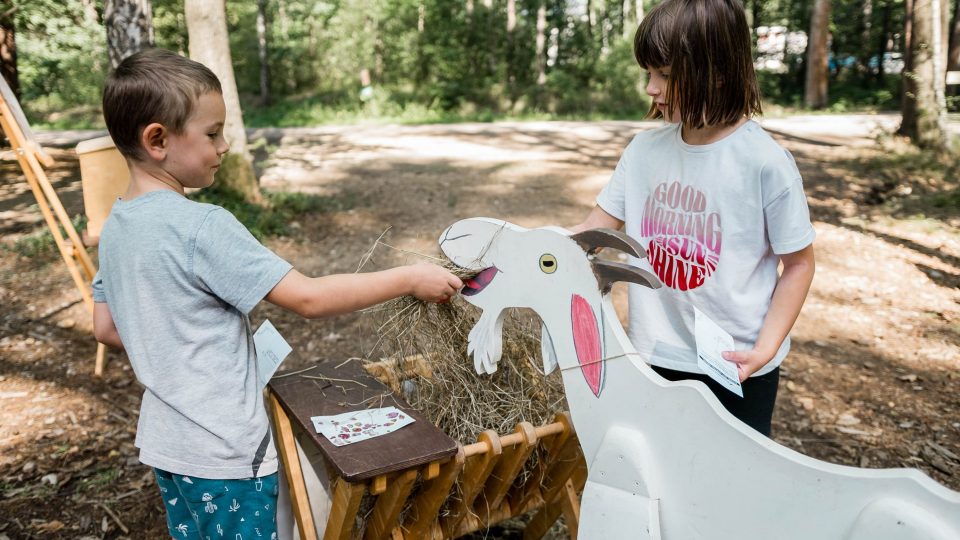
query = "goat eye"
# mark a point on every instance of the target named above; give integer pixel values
(548, 263)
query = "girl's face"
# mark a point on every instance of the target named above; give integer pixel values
(658, 80)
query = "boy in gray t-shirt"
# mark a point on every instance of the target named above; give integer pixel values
(177, 280)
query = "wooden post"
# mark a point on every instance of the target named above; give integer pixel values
(287, 448)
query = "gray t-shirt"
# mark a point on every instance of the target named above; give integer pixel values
(180, 278)
(714, 220)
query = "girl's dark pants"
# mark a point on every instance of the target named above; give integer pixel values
(755, 408)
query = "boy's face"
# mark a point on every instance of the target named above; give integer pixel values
(193, 157)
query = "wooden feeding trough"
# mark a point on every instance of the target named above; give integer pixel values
(423, 484)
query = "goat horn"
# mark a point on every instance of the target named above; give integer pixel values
(609, 272)
(593, 239)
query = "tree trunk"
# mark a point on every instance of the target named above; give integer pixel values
(638, 11)
(624, 17)
(923, 108)
(756, 13)
(129, 26)
(207, 32)
(541, 44)
(882, 44)
(815, 90)
(262, 52)
(866, 31)
(953, 57)
(8, 48)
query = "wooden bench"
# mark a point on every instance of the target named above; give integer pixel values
(390, 467)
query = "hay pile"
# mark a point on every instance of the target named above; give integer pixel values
(445, 387)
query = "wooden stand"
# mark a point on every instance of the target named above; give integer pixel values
(389, 467)
(32, 159)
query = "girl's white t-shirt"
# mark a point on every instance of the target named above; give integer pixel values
(714, 219)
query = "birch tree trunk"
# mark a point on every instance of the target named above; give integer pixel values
(815, 90)
(129, 25)
(263, 52)
(207, 32)
(541, 44)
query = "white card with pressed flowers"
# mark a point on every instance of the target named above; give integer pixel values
(350, 427)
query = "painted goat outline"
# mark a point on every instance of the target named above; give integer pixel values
(665, 459)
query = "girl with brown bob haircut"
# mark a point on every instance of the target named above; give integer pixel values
(718, 205)
(707, 46)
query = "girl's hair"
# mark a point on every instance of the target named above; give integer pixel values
(706, 44)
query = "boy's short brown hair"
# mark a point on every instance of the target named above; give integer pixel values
(707, 45)
(153, 85)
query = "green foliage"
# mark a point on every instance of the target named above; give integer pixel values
(280, 210)
(430, 60)
(62, 60)
(846, 92)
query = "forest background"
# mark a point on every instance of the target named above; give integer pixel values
(301, 63)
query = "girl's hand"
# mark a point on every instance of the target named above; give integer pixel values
(748, 362)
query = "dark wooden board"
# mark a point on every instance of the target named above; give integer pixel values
(327, 389)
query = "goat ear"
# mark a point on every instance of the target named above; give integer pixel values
(593, 239)
(609, 272)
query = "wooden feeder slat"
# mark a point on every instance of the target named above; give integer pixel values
(475, 474)
(508, 468)
(434, 493)
(387, 509)
(343, 511)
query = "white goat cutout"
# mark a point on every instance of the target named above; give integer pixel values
(666, 460)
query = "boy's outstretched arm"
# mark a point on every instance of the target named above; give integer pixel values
(104, 329)
(344, 293)
(597, 219)
(788, 298)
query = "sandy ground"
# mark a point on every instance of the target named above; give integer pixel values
(871, 382)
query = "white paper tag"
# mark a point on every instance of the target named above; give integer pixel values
(350, 427)
(271, 350)
(711, 342)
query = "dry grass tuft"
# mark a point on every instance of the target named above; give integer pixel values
(446, 388)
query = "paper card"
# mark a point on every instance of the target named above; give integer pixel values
(271, 350)
(711, 342)
(350, 427)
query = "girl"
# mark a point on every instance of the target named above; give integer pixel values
(717, 203)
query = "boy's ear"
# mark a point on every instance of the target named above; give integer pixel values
(153, 138)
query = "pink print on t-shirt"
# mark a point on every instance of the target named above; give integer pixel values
(684, 238)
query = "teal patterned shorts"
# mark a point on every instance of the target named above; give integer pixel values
(198, 508)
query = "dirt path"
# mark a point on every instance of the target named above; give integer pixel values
(872, 379)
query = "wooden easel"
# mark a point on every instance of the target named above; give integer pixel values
(388, 468)
(32, 160)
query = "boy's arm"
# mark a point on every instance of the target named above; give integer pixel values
(785, 306)
(103, 327)
(597, 219)
(344, 293)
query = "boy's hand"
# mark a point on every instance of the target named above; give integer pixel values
(432, 283)
(748, 362)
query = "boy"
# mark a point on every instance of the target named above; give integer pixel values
(177, 280)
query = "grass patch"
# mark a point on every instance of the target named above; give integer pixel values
(316, 111)
(40, 245)
(100, 480)
(273, 218)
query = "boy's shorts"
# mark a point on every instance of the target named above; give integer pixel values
(198, 508)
